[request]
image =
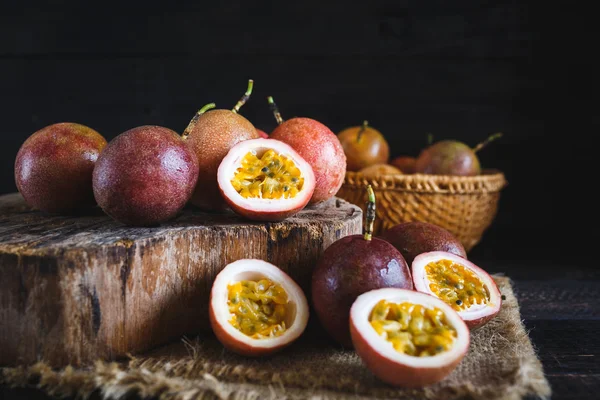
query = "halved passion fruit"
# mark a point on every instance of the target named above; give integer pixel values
(265, 179)
(256, 308)
(406, 338)
(468, 289)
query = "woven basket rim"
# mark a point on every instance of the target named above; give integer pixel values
(489, 181)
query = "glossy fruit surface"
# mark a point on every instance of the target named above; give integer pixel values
(448, 157)
(145, 176)
(279, 310)
(320, 147)
(211, 137)
(373, 171)
(265, 179)
(348, 268)
(53, 168)
(468, 289)
(415, 237)
(363, 146)
(406, 338)
(405, 164)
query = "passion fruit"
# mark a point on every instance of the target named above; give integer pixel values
(406, 164)
(406, 338)
(265, 180)
(319, 146)
(349, 267)
(211, 133)
(465, 287)
(256, 309)
(415, 237)
(262, 133)
(364, 146)
(376, 170)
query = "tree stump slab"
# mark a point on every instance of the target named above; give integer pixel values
(77, 288)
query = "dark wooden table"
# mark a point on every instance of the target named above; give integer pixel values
(560, 305)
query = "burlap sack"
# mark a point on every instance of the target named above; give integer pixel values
(501, 364)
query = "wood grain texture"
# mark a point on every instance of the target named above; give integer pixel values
(76, 288)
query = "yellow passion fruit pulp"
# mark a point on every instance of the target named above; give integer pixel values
(269, 176)
(258, 308)
(456, 285)
(413, 329)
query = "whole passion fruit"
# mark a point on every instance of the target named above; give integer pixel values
(265, 179)
(377, 170)
(256, 309)
(54, 166)
(145, 176)
(364, 146)
(415, 237)
(406, 338)
(349, 267)
(465, 287)
(319, 146)
(406, 164)
(211, 134)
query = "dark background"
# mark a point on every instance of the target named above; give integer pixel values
(459, 70)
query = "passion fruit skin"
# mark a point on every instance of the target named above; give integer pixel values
(448, 157)
(145, 176)
(371, 148)
(262, 133)
(54, 166)
(321, 148)
(415, 237)
(349, 267)
(406, 164)
(212, 136)
(375, 170)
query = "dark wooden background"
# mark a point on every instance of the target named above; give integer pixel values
(459, 70)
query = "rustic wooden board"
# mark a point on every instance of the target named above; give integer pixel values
(73, 289)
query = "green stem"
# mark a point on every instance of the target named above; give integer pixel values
(487, 141)
(429, 138)
(275, 110)
(370, 215)
(245, 97)
(361, 130)
(194, 120)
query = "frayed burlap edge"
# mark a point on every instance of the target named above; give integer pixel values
(192, 378)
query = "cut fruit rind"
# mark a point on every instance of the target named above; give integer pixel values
(468, 289)
(295, 315)
(398, 368)
(256, 194)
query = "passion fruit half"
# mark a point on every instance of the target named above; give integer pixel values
(265, 179)
(465, 287)
(256, 309)
(406, 338)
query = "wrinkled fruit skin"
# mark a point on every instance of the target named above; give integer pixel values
(406, 164)
(53, 168)
(414, 238)
(348, 268)
(211, 138)
(321, 148)
(372, 148)
(145, 176)
(448, 157)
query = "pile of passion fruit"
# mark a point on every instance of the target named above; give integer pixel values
(147, 174)
(368, 153)
(405, 302)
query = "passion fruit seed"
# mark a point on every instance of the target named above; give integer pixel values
(413, 329)
(258, 308)
(270, 176)
(456, 285)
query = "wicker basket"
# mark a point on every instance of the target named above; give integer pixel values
(465, 206)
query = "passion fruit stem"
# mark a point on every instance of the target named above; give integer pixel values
(487, 141)
(275, 110)
(361, 130)
(370, 213)
(194, 120)
(429, 138)
(245, 97)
